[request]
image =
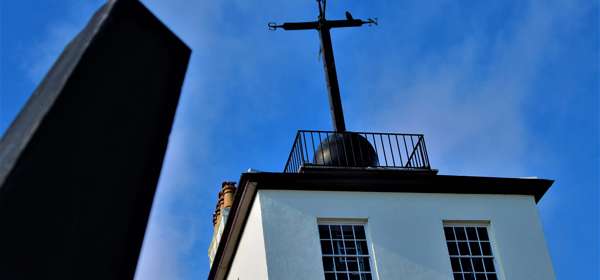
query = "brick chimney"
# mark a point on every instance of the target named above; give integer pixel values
(219, 218)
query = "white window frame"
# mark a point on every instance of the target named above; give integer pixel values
(475, 223)
(350, 221)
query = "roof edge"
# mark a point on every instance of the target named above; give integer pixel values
(367, 181)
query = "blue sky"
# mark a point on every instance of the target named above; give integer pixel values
(499, 88)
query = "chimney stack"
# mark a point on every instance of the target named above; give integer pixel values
(219, 218)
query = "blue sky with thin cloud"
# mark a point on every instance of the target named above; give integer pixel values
(499, 88)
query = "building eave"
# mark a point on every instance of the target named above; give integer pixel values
(365, 181)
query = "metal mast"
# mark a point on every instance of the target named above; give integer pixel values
(323, 26)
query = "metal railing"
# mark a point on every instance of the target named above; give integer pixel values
(357, 149)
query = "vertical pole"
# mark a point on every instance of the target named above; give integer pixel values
(335, 102)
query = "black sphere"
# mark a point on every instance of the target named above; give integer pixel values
(346, 150)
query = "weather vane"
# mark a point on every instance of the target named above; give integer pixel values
(323, 26)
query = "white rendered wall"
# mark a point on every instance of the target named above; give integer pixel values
(405, 231)
(249, 262)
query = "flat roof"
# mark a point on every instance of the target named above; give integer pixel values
(352, 180)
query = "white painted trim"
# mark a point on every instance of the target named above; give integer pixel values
(492, 239)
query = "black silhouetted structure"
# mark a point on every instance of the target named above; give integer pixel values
(80, 164)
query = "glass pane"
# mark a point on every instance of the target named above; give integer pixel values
(469, 276)
(359, 232)
(471, 233)
(328, 263)
(463, 248)
(352, 264)
(480, 276)
(350, 247)
(364, 264)
(466, 264)
(340, 263)
(347, 232)
(452, 248)
(449, 233)
(475, 250)
(329, 276)
(326, 247)
(336, 232)
(478, 264)
(455, 265)
(354, 276)
(338, 247)
(324, 232)
(486, 249)
(362, 248)
(458, 276)
(492, 277)
(342, 276)
(482, 234)
(489, 264)
(460, 233)
(366, 276)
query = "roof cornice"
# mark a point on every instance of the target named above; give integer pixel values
(357, 181)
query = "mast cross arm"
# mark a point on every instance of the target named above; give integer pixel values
(323, 26)
(295, 25)
(317, 25)
(349, 23)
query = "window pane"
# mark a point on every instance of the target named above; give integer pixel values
(492, 277)
(366, 276)
(460, 233)
(480, 276)
(336, 232)
(463, 248)
(347, 232)
(354, 276)
(475, 250)
(452, 248)
(471, 233)
(455, 264)
(466, 264)
(359, 232)
(338, 247)
(328, 264)
(449, 233)
(326, 247)
(350, 247)
(362, 248)
(478, 264)
(342, 276)
(469, 276)
(486, 249)
(482, 232)
(458, 276)
(489, 265)
(324, 232)
(329, 276)
(340, 264)
(352, 264)
(364, 264)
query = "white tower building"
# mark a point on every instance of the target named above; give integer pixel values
(323, 220)
(364, 206)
